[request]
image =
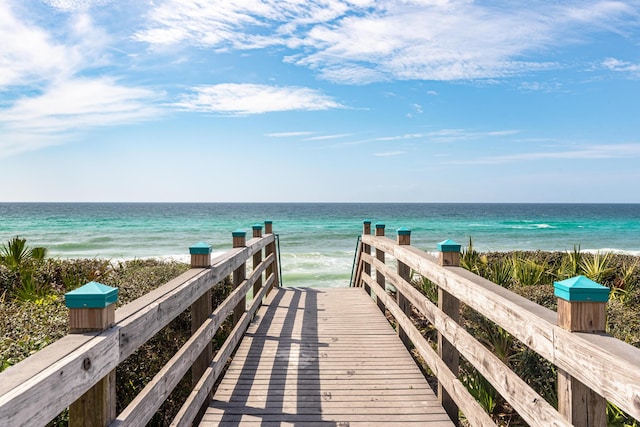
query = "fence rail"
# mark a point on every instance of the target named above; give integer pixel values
(606, 367)
(39, 388)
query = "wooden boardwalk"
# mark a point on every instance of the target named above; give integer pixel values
(323, 357)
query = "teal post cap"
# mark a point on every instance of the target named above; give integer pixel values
(379, 225)
(91, 295)
(268, 221)
(200, 248)
(581, 289)
(239, 233)
(449, 246)
(367, 221)
(403, 231)
(257, 226)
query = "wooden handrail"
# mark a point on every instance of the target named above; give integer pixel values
(606, 365)
(36, 390)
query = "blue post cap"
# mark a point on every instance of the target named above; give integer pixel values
(268, 221)
(449, 246)
(403, 231)
(239, 233)
(379, 225)
(257, 226)
(200, 248)
(91, 295)
(366, 221)
(581, 289)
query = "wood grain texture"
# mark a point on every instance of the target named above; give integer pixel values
(317, 356)
(532, 407)
(606, 365)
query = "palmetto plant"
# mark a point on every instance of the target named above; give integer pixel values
(15, 254)
(500, 272)
(597, 267)
(527, 272)
(470, 259)
(571, 264)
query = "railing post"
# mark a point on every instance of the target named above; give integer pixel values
(92, 309)
(581, 308)
(450, 305)
(257, 258)
(404, 238)
(239, 274)
(379, 277)
(268, 250)
(366, 230)
(201, 309)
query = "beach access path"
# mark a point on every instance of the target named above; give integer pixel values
(323, 357)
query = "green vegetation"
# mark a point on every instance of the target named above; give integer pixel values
(33, 314)
(531, 274)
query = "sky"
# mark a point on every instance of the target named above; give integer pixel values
(320, 101)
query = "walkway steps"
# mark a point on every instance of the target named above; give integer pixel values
(323, 357)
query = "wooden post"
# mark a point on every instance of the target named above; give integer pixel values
(581, 308)
(257, 258)
(240, 274)
(92, 309)
(366, 229)
(201, 309)
(379, 277)
(450, 257)
(268, 250)
(404, 238)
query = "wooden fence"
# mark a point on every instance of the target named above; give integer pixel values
(78, 371)
(592, 367)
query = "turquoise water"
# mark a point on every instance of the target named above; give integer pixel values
(317, 240)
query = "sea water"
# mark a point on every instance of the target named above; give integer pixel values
(317, 240)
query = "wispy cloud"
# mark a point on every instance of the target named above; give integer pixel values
(75, 5)
(406, 40)
(619, 66)
(452, 135)
(55, 65)
(389, 154)
(400, 137)
(328, 137)
(243, 99)
(593, 152)
(68, 107)
(287, 134)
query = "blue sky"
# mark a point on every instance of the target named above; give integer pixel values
(326, 100)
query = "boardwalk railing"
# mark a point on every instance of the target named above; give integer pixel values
(592, 367)
(78, 371)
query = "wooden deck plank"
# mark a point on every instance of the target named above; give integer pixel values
(324, 357)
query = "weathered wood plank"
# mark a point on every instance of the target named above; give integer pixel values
(65, 379)
(308, 362)
(200, 393)
(531, 406)
(472, 410)
(147, 318)
(606, 365)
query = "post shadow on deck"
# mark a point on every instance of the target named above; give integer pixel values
(308, 392)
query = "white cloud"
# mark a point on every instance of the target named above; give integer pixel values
(28, 54)
(400, 137)
(366, 41)
(69, 107)
(242, 99)
(389, 154)
(594, 152)
(288, 134)
(617, 65)
(452, 135)
(75, 5)
(327, 137)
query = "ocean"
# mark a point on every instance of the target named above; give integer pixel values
(317, 240)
